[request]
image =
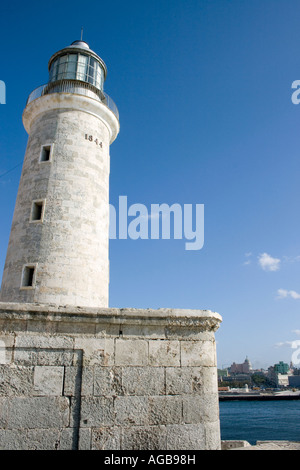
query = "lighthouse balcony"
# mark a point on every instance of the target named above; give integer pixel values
(74, 87)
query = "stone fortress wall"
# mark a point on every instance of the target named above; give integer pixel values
(128, 379)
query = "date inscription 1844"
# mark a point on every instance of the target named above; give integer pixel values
(93, 139)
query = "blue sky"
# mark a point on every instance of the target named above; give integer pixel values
(203, 88)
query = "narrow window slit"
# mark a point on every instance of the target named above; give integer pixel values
(28, 276)
(45, 153)
(37, 210)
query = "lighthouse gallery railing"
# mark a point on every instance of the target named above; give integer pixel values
(76, 87)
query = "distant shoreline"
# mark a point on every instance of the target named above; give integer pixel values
(243, 396)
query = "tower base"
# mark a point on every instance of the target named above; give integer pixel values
(109, 378)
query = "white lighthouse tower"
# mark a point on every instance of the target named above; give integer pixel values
(92, 377)
(58, 246)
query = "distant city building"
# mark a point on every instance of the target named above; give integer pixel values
(294, 381)
(282, 380)
(222, 373)
(245, 368)
(279, 374)
(282, 368)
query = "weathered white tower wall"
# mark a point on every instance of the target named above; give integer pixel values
(60, 228)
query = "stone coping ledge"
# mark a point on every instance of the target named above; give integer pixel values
(201, 319)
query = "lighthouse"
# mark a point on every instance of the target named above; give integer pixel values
(58, 251)
(78, 374)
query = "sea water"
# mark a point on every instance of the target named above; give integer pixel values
(260, 420)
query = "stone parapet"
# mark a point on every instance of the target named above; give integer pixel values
(109, 378)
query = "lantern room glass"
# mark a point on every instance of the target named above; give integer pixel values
(81, 67)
